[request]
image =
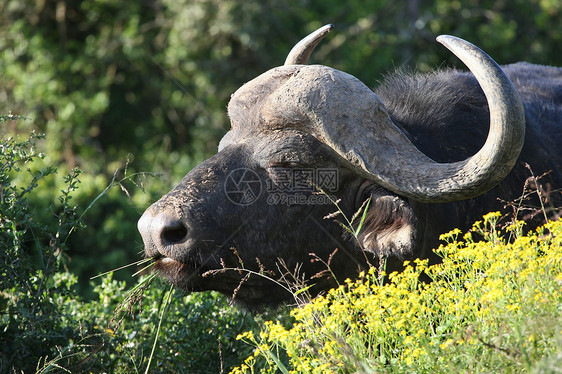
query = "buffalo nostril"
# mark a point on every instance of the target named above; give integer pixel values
(174, 232)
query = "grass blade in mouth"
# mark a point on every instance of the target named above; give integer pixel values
(146, 267)
(136, 263)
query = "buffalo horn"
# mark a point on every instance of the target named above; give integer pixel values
(424, 180)
(300, 53)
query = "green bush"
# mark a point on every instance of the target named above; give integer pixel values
(30, 258)
(45, 323)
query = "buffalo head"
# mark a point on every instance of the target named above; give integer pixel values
(307, 141)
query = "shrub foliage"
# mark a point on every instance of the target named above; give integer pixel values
(47, 326)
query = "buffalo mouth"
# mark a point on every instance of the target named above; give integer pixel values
(197, 275)
(185, 275)
(232, 282)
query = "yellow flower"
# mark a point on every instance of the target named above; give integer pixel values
(447, 344)
(408, 340)
(247, 335)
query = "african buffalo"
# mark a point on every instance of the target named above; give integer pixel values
(431, 151)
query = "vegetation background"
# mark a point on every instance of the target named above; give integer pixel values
(121, 88)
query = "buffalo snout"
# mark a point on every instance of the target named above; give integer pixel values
(162, 233)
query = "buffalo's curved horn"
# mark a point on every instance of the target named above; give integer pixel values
(394, 162)
(506, 136)
(300, 53)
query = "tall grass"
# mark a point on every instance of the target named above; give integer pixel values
(491, 306)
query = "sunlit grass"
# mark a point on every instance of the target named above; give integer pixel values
(492, 306)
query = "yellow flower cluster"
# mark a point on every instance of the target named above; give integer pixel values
(492, 305)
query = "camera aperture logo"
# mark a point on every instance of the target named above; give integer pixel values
(242, 186)
(285, 186)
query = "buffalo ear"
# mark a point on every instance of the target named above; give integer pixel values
(389, 227)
